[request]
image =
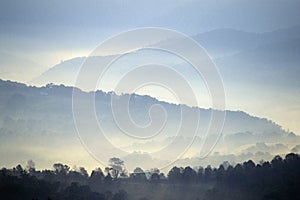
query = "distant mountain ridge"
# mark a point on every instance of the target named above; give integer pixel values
(224, 42)
(17, 95)
(41, 117)
(243, 52)
(68, 68)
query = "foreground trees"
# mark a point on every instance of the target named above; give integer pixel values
(277, 179)
(116, 168)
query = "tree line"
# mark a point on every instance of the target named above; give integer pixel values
(275, 179)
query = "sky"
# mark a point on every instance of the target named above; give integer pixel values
(36, 35)
(50, 31)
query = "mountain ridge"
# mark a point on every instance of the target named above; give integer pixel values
(13, 88)
(42, 118)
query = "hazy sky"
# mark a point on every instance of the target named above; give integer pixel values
(35, 35)
(49, 31)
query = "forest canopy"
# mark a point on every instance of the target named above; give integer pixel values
(275, 179)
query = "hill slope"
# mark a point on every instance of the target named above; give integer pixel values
(42, 117)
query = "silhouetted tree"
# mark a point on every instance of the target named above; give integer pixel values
(249, 165)
(155, 178)
(18, 170)
(162, 176)
(277, 163)
(189, 175)
(30, 166)
(220, 173)
(138, 174)
(175, 175)
(208, 173)
(116, 167)
(61, 169)
(200, 174)
(97, 176)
